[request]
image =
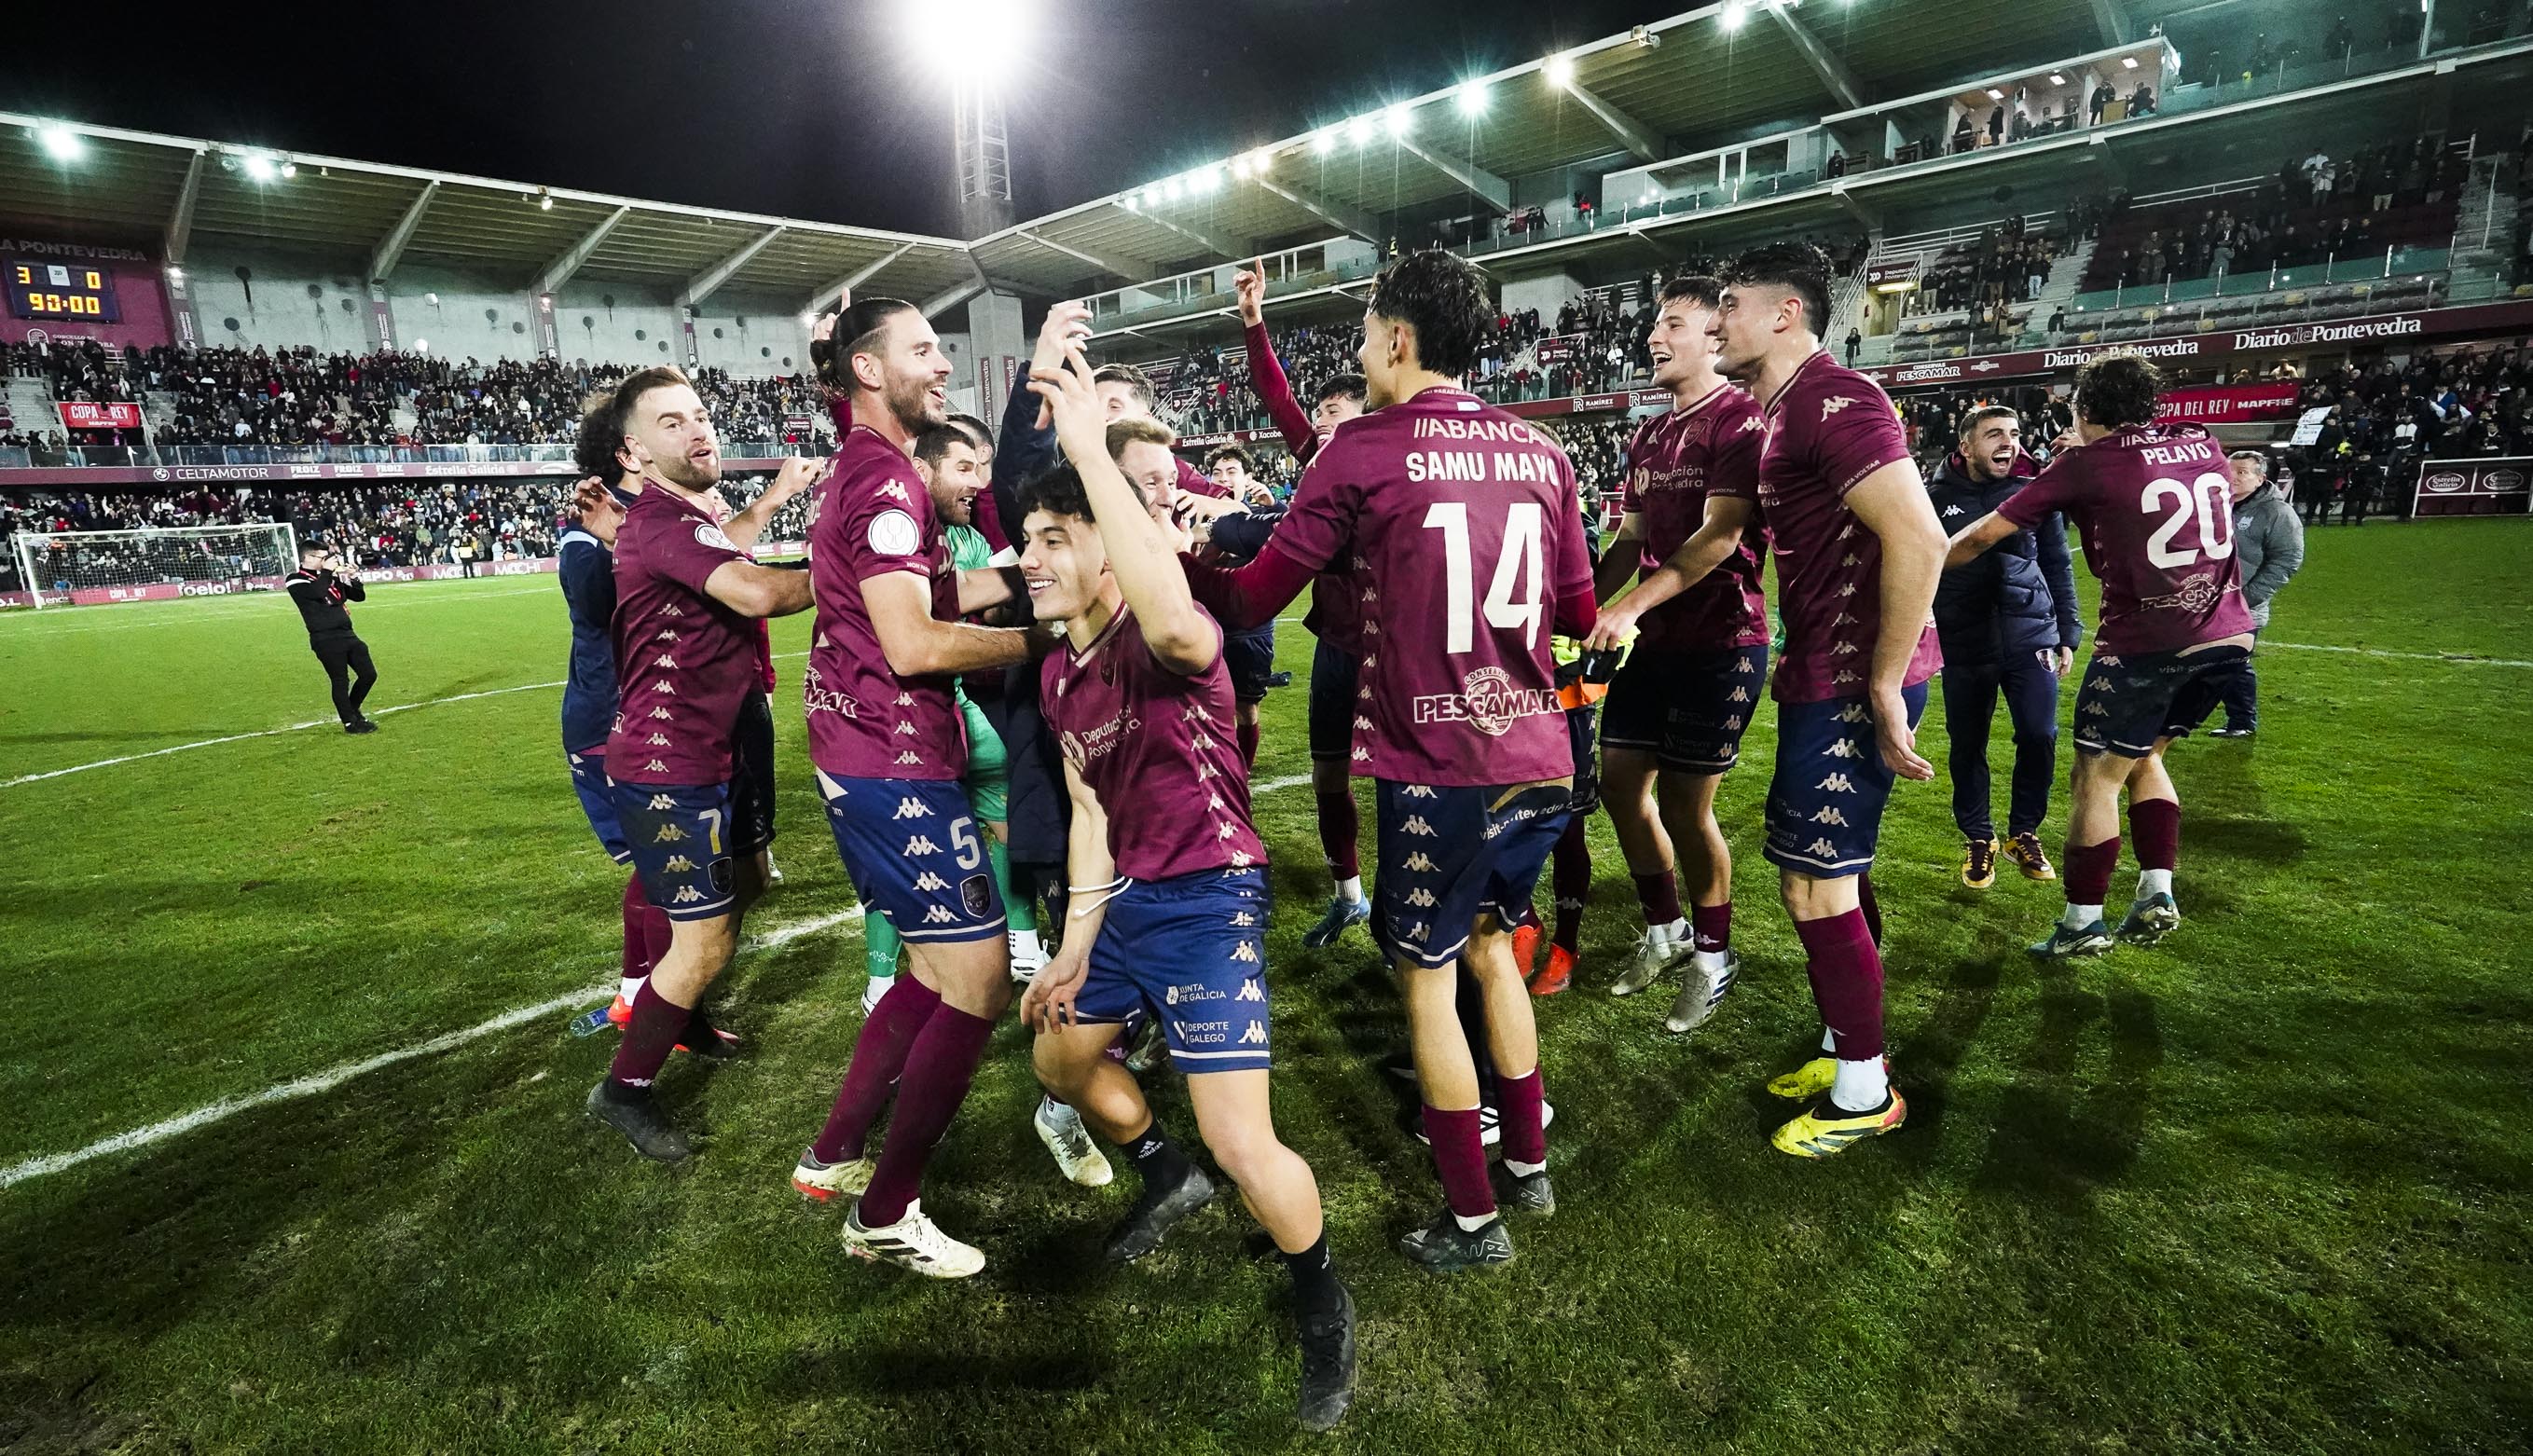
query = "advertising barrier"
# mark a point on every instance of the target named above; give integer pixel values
(2495, 487)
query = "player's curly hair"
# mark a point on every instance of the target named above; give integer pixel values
(600, 436)
(858, 331)
(1347, 385)
(1444, 298)
(1060, 493)
(1221, 454)
(2118, 389)
(1800, 268)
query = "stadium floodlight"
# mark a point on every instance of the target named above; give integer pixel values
(422, 346)
(1153, 196)
(60, 142)
(1174, 189)
(1325, 141)
(979, 41)
(1472, 98)
(1398, 120)
(1561, 70)
(545, 201)
(1734, 14)
(1261, 161)
(259, 166)
(175, 274)
(289, 170)
(1240, 165)
(1208, 178)
(1359, 131)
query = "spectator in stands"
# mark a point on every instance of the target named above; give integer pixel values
(2102, 98)
(1854, 341)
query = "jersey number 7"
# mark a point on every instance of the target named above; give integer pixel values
(1517, 568)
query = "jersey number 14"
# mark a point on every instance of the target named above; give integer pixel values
(1518, 568)
(2209, 499)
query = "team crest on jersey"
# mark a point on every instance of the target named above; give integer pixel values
(893, 533)
(723, 875)
(707, 533)
(975, 892)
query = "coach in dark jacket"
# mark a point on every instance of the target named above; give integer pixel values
(321, 594)
(2006, 622)
(2269, 549)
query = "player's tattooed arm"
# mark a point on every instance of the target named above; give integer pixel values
(1089, 868)
(751, 589)
(1717, 536)
(917, 643)
(1892, 504)
(1144, 559)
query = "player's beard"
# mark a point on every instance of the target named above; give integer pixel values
(685, 473)
(909, 402)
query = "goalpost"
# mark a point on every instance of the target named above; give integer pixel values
(198, 561)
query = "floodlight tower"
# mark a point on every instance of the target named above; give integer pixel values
(984, 154)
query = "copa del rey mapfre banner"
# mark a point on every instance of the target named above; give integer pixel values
(83, 414)
(2230, 404)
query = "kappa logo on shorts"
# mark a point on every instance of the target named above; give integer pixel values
(679, 864)
(1847, 590)
(1192, 712)
(1419, 930)
(1416, 824)
(1836, 784)
(1844, 648)
(911, 808)
(663, 801)
(2101, 686)
(1955, 510)
(1849, 560)
(1822, 847)
(1204, 771)
(668, 833)
(1201, 742)
(2097, 710)
(1420, 790)
(975, 892)
(673, 609)
(1738, 695)
(1216, 804)
(1243, 917)
(930, 883)
(2106, 659)
(1245, 952)
(1830, 815)
(1249, 990)
(1421, 898)
(1843, 619)
(1851, 713)
(687, 894)
(665, 686)
(919, 844)
(1255, 1036)
(1733, 723)
(1843, 748)
(1419, 864)
(938, 915)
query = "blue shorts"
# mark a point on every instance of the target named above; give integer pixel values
(1825, 803)
(1334, 682)
(2130, 700)
(753, 763)
(916, 854)
(1687, 709)
(682, 838)
(1450, 854)
(589, 781)
(1251, 657)
(1191, 948)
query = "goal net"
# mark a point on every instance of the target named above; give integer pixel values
(87, 566)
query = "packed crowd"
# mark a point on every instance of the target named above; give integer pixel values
(2386, 419)
(300, 397)
(2315, 207)
(1934, 421)
(2008, 263)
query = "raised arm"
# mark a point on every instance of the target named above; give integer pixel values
(796, 475)
(1265, 371)
(1181, 637)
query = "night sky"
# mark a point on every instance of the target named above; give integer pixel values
(809, 108)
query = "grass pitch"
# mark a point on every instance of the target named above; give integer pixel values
(2262, 1188)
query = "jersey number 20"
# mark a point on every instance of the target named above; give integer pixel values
(1517, 568)
(2207, 498)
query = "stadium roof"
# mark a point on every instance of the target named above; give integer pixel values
(174, 189)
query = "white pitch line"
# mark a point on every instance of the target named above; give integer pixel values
(334, 1076)
(246, 608)
(2459, 658)
(107, 763)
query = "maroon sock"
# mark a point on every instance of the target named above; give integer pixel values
(636, 960)
(658, 932)
(1570, 875)
(1872, 909)
(1659, 893)
(649, 1036)
(1341, 825)
(879, 1055)
(1460, 1159)
(2088, 870)
(1520, 1101)
(1846, 970)
(1713, 924)
(938, 1068)
(1248, 743)
(2156, 825)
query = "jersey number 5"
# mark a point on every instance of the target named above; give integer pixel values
(1517, 568)
(2209, 499)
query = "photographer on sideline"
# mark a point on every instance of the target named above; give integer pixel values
(321, 594)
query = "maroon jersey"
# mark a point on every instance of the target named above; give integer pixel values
(1194, 481)
(1676, 463)
(1462, 530)
(684, 660)
(1827, 429)
(871, 517)
(1156, 749)
(2158, 524)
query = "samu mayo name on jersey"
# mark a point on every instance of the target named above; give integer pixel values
(871, 517)
(1462, 530)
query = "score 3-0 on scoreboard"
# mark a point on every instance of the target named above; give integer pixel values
(59, 290)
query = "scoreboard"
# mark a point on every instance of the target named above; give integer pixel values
(59, 290)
